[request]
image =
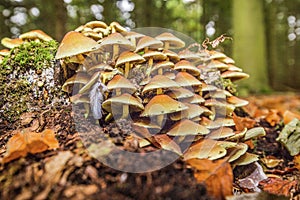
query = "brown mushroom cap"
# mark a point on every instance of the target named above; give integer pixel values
(232, 67)
(79, 77)
(129, 57)
(222, 132)
(120, 82)
(115, 103)
(185, 65)
(215, 64)
(79, 98)
(234, 76)
(227, 60)
(192, 112)
(172, 56)
(162, 104)
(4, 52)
(75, 43)
(190, 56)
(185, 79)
(96, 24)
(99, 67)
(216, 55)
(148, 42)
(35, 34)
(237, 102)
(116, 39)
(95, 77)
(116, 27)
(162, 65)
(187, 127)
(180, 93)
(159, 82)
(196, 99)
(11, 43)
(170, 41)
(155, 55)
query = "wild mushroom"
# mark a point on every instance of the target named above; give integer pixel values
(118, 83)
(186, 66)
(191, 56)
(11, 43)
(237, 102)
(234, 76)
(35, 35)
(79, 78)
(215, 64)
(220, 133)
(122, 103)
(179, 93)
(128, 58)
(160, 105)
(102, 67)
(132, 36)
(185, 79)
(116, 27)
(159, 67)
(115, 41)
(159, 82)
(187, 127)
(146, 43)
(170, 41)
(96, 24)
(171, 56)
(153, 55)
(192, 112)
(75, 43)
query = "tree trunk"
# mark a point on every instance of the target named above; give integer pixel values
(249, 44)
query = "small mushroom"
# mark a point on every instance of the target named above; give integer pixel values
(128, 58)
(194, 111)
(237, 102)
(132, 36)
(95, 77)
(172, 56)
(160, 105)
(153, 55)
(191, 56)
(170, 41)
(146, 43)
(159, 67)
(246, 159)
(158, 83)
(216, 55)
(102, 67)
(116, 41)
(195, 99)
(179, 93)
(227, 60)
(11, 43)
(122, 103)
(35, 34)
(116, 27)
(79, 78)
(75, 43)
(234, 75)
(220, 133)
(96, 24)
(186, 66)
(4, 52)
(187, 127)
(215, 64)
(118, 83)
(232, 67)
(185, 79)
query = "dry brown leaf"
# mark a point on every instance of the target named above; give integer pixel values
(297, 161)
(289, 116)
(29, 142)
(216, 175)
(273, 117)
(278, 186)
(243, 122)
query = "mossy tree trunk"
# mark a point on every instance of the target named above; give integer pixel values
(249, 45)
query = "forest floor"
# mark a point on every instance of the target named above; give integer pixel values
(69, 172)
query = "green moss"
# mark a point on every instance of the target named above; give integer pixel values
(15, 90)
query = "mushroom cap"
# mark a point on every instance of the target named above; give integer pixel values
(180, 93)
(227, 60)
(234, 76)
(246, 159)
(159, 81)
(222, 132)
(163, 65)
(93, 35)
(4, 52)
(148, 42)
(185, 65)
(196, 99)
(155, 55)
(132, 34)
(120, 82)
(208, 88)
(100, 67)
(75, 43)
(96, 24)
(174, 42)
(216, 55)
(11, 43)
(218, 94)
(95, 77)
(162, 104)
(79, 77)
(185, 79)
(193, 111)
(129, 57)
(187, 127)
(232, 67)
(241, 149)
(237, 102)
(170, 75)
(117, 27)
(190, 56)
(116, 102)
(116, 39)
(79, 98)
(35, 34)
(215, 64)
(171, 55)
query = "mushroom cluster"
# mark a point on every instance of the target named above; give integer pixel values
(171, 99)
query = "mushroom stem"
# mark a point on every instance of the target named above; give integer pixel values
(115, 51)
(108, 117)
(167, 45)
(118, 91)
(125, 111)
(159, 91)
(160, 119)
(127, 66)
(86, 109)
(160, 71)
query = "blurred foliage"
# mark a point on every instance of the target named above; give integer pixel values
(197, 18)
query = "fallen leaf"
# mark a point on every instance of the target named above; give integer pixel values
(273, 117)
(297, 161)
(289, 116)
(243, 122)
(216, 175)
(290, 137)
(278, 186)
(20, 144)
